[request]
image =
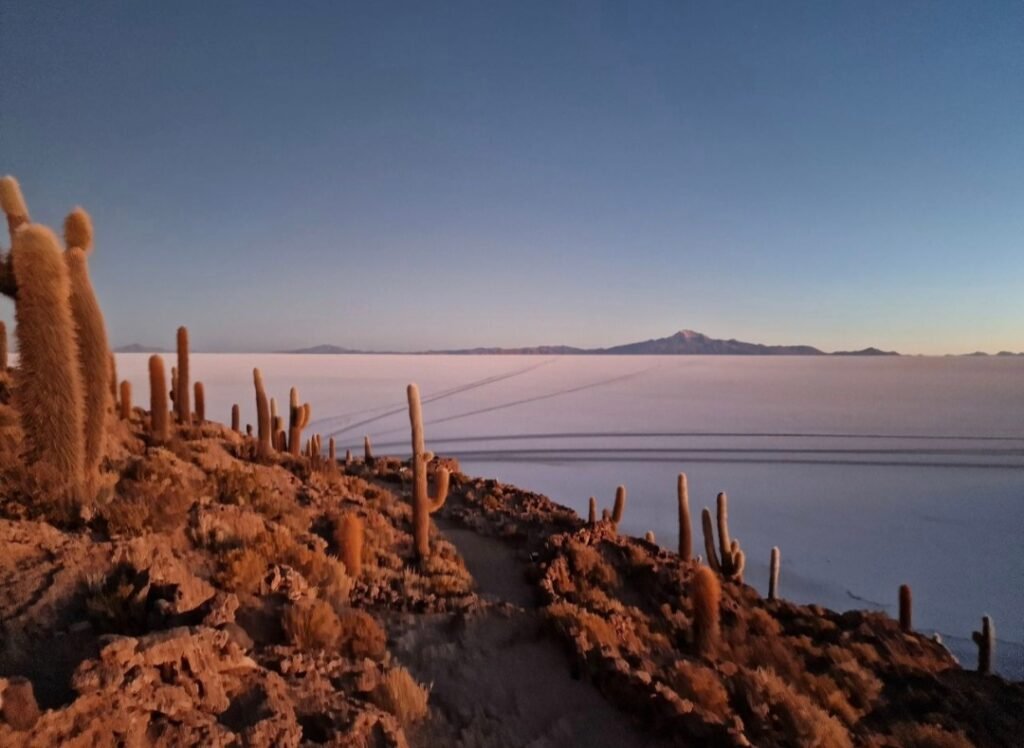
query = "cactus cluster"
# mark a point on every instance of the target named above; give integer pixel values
(730, 564)
(62, 387)
(423, 505)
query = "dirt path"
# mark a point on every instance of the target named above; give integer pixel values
(498, 679)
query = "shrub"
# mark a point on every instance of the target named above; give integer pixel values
(360, 635)
(701, 685)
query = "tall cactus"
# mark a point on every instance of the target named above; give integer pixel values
(619, 508)
(13, 205)
(906, 609)
(422, 504)
(298, 419)
(732, 560)
(773, 574)
(200, 396)
(48, 385)
(182, 403)
(707, 594)
(126, 400)
(592, 511)
(685, 531)
(265, 448)
(93, 348)
(986, 641)
(158, 415)
(236, 418)
(332, 449)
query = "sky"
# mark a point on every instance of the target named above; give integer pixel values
(404, 176)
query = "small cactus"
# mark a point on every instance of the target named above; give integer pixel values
(200, 396)
(126, 400)
(592, 511)
(3, 347)
(685, 531)
(348, 457)
(48, 384)
(264, 449)
(906, 609)
(367, 450)
(159, 427)
(773, 574)
(332, 450)
(19, 708)
(707, 594)
(349, 537)
(986, 641)
(423, 505)
(649, 537)
(182, 395)
(236, 417)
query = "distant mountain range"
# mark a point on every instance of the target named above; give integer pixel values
(683, 343)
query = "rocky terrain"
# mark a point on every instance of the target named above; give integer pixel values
(168, 580)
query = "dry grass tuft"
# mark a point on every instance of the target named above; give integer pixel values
(912, 735)
(311, 624)
(400, 694)
(701, 685)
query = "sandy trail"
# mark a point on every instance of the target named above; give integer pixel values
(498, 678)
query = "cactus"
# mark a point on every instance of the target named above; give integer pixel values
(298, 419)
(113, 379)
(986, 641)
(773, 574)
(173, 394)
(732, 560)
(685, 531)
(248, 430)
(93, 348)
(620, 505)
(126, 400)
(707, 594)
(332, 450)
(3, 347)
(181, 398)
(592, 511)
(367, 451)
(48, 385)
(19, 707)
(13, 205)
(348, 457)
(236, 418)
(423, 505)
(199, 393)
(349, 537)
(906, 609)
(273, 411)
(159, 426)
(649, 537)
(265, 449)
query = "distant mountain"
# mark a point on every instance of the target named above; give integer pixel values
(324, 349)
(139, 348)
(866, 352)
(683, 343)
(690, 343)
(1009, 353)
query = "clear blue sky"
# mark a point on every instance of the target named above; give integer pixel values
(418, 175)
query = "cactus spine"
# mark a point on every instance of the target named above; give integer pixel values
(182, 395)
(685, 531)
(707, 594)
(773, 574)
(126, 400)
(986, 641)
(906, 609)
(200, 396)
(159, 426)
(732, 560)
(48, 385)
(265, 448)
(423, 505)
(236, 418)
